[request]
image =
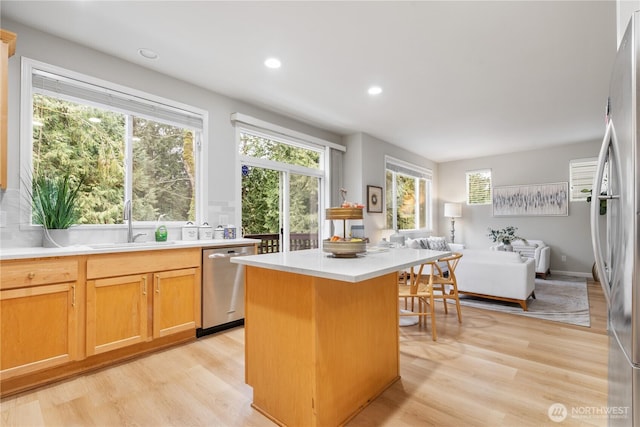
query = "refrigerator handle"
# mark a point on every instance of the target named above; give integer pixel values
(595, 207)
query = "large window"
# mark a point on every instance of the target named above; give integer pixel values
(408, 196)
(123, 145)
(479, 187)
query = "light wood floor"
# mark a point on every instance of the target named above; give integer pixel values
(493, 370)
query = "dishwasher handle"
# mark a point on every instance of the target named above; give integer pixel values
(222, 255)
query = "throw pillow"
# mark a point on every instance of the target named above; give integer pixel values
(419, 243)
(438, 244)
(528, 251)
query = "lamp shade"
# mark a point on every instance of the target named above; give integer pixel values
(452, 210)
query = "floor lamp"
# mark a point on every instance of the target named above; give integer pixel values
(453, 211)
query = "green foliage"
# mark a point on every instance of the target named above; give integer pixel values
(163, 172)
(479, 188)
(603, 202)
(406, 193)
(54, 200)
(69, 142)
(505, 235)
(72, 140)
(261, 196)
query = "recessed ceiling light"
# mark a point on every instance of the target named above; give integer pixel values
(94, 120)
(374, 90)
(148, 53)
(272, 63)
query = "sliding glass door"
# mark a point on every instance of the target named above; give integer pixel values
(303, 212)
(280, 208)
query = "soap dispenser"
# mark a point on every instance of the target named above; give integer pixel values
(161, 230)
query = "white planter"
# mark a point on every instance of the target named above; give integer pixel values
(55, 238)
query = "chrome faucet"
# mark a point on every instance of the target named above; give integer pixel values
(128, 216)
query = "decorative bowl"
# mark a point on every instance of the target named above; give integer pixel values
(344, 249)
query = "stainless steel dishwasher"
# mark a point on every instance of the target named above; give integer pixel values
(222, 288)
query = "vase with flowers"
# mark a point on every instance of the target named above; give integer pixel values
(505, 236)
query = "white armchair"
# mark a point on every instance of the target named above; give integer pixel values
(536, 249)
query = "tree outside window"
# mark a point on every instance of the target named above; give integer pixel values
(122, 143)
(262, 186)
(479, 187)
(408, 197)
(93, 143)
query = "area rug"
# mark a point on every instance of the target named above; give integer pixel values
(558, 298)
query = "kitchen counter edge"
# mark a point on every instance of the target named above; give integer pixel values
(40, 252)
(314, 262)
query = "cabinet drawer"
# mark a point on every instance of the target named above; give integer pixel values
(21, 273)
(122, 264)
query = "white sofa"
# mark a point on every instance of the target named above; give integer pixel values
(505, 276)
(536, 249)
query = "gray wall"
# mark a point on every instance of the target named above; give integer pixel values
(221, 152)
(569, 235)
(364, 165)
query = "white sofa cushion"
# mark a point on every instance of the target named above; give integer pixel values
(419, 243)
(434, 243)
(536, 249)
(495, 273)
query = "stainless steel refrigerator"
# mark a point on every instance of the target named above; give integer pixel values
(615, 246)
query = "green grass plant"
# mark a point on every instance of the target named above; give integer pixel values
(54, 200)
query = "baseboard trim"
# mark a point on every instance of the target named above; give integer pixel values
(572, 273)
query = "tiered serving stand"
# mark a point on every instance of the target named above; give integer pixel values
(344, 248)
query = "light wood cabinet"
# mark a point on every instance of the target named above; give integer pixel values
(39, 309)
(116, 313)
(7, 49)
(62, 316)
(174, 301)
(142, 296)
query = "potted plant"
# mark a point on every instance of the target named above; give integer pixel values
(603, 202)
(505, 236)
(54, 206)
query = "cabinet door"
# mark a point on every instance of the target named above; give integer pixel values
(174, 301)
(7, 49)
(38, 326)
(116, 312)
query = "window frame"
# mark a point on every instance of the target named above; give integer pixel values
(247, 124)
(589, 166)
(28, 66)
(417, 172)
(467, 189)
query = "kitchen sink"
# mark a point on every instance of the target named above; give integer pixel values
(115, 245)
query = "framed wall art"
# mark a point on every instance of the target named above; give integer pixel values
(532, 200)
(374, 199)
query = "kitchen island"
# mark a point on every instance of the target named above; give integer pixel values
(321, 333)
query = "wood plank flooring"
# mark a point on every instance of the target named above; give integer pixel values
(495, 369)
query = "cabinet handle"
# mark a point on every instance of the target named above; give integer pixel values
(73, 302)
(31, 275)
(157, 284)
(144, 286)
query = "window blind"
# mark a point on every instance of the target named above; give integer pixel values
(405, 168)
(581, 175)
(479, 187)
(51, 84)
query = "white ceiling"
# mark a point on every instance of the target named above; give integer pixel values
(460, 79)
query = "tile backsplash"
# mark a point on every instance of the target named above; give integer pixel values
(18, 233)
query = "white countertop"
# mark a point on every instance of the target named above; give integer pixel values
(102, 248)
(313, 262)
